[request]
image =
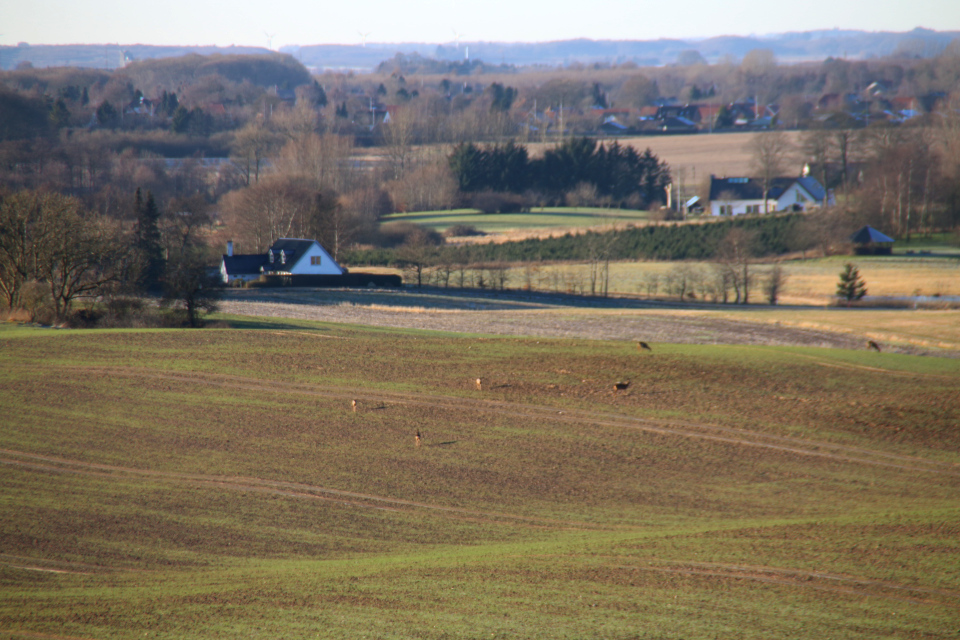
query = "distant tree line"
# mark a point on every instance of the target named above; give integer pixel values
(619, 173)
(54, 252)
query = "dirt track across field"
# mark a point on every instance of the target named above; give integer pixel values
(545, 316)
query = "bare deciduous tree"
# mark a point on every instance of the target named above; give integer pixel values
(323, 161)
(270, 209)
(769, 152)
(251, 146)
(815, 144)
(187, 280)
(735, 256)
(773, 285)
(398, 136)
(49, 238)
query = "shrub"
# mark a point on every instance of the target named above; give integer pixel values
(36, 300)
(462, 231)
(583, 195)
(395, 234)
(498, 202)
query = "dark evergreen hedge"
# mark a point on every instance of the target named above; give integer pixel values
(673, 242)
(616, 172)
(346, 280)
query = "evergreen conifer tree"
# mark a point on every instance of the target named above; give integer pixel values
(851, 286)
(321, 95)
(148, 243)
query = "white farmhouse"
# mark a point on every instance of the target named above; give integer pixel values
(736, 196)
(287, 256)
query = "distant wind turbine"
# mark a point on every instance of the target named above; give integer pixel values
(456, 38)
(269, 39)
(363, 38)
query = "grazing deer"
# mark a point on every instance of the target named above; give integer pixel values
(353, 404)
(620, 386)
(643, 346)
(419, 438)
(479, 384)
(873, 345)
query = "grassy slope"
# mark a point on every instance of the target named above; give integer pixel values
(539, 218)
(215, 484)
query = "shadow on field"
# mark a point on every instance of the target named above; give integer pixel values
(253, 322)
(436, 298)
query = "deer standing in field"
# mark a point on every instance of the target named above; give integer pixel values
(873, 345)
(419, 438)
(479, 384)
(353, 404)
(643, 346)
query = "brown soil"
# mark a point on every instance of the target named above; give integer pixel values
(534, 316)
(684, 429)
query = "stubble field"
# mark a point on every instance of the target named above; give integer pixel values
(699, 155)
(216, 483)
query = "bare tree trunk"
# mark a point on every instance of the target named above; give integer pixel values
(883, 198)
(899, 221)
(746, 280)
(909, 194)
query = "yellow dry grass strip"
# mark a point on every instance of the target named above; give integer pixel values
(938, 329)
(397, 308)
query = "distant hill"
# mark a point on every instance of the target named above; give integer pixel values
(788, 47)
(104, 56)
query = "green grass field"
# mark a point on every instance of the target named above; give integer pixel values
(216, 484)
(538, 218)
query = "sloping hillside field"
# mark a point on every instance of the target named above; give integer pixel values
(217, 483)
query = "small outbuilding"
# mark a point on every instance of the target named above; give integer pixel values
(869, 241)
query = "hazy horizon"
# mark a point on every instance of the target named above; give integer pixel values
(379, 22)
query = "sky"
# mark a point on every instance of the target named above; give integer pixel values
(277, 23)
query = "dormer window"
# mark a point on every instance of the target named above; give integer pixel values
(283, 257)
(270, 253)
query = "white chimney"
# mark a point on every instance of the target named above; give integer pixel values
(230, 248)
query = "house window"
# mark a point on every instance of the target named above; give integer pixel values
(314, 260)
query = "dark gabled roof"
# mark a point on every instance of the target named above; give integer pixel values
(752, 188)
(613, 126)
(244, 264)
(868, 235)
(813, 187)
(292, 248)
(746, 188)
